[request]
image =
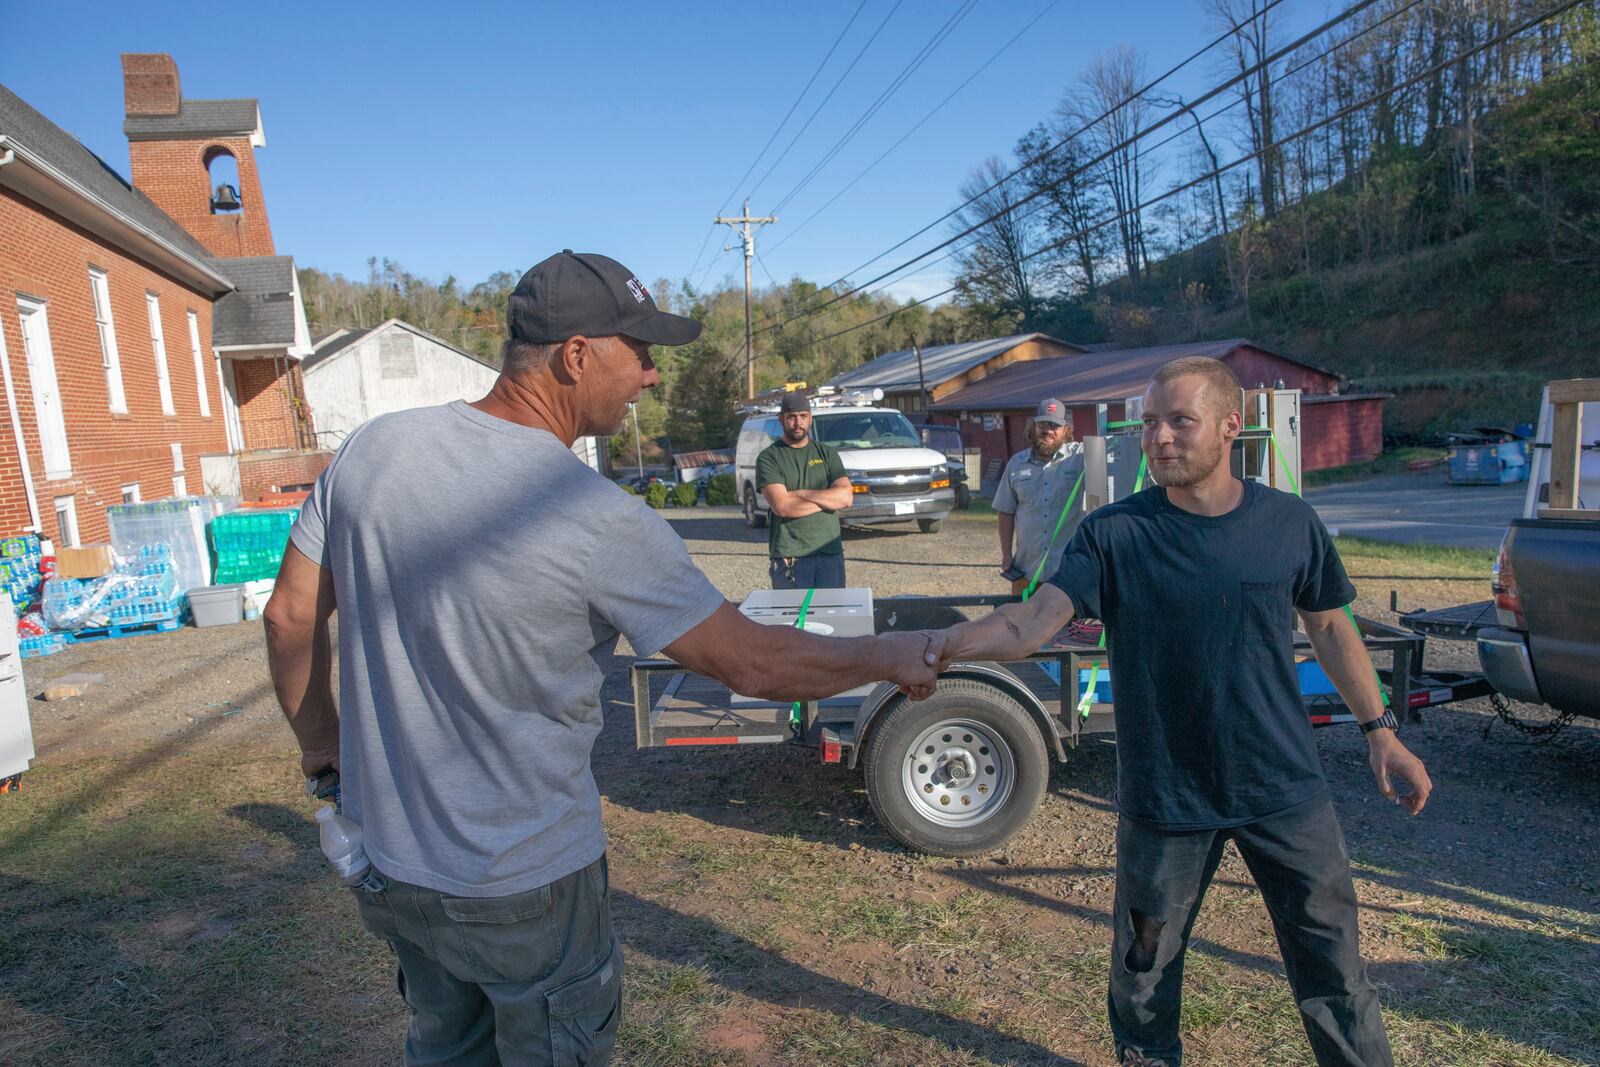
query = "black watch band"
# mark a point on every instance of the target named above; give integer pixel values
(1384, 721)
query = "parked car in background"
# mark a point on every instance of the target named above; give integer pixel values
(947, 439)
(896, 479)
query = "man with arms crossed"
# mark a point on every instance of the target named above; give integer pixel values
(1032, 491)
(805, 486)
(1197, 580)
(482, 575)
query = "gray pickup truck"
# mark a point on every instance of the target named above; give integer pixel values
(1546, 648)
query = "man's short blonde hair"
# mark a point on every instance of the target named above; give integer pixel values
(1223, 391)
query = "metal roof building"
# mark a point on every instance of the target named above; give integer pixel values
(947, 368)
(994, 413)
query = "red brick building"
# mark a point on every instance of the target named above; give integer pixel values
(149, 335)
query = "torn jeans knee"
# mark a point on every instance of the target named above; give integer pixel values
(1141, 956)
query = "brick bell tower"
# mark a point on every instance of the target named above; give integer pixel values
(196, 158)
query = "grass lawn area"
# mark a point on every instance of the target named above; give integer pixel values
(1416, 561)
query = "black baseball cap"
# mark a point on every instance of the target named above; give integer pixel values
(574, 293)
(794, 401)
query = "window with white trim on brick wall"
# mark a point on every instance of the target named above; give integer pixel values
(158, 344)
(100, 287)
(199, 364)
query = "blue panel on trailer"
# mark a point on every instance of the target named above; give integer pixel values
(1313, 680)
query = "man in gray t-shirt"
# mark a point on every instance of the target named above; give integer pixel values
(1033, 489)
(483, 575)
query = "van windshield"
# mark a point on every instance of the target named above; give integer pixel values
(866, 429)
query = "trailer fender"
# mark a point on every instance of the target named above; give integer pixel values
(990, 673)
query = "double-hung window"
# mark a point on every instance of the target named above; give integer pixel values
(159, 344)
(100, 288)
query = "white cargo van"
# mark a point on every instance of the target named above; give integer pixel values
(895, 478)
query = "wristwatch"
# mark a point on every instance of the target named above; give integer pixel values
(1382, 722)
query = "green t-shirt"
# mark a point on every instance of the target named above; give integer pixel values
(816, 466)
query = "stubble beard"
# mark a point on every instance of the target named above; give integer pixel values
(1193, 468)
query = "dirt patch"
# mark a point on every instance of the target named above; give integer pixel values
(161, 861)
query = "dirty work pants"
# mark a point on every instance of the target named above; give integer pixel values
(528, 980)
(808, 572)
(1298, 860)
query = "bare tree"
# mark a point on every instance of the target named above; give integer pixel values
(1249, 47)
(1074, 200)
(996, 266)
(1107, 103)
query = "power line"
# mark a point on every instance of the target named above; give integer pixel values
(911, 67)
(1146, 150)
(920, 122)
(1349, 13)
(776, 130)
(818, 109)
(1560, 9)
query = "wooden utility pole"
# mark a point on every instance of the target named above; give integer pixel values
(749, 237)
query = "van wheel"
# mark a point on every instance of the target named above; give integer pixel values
(957, 774)
(963, 498)
(930, 525)
(754, 517)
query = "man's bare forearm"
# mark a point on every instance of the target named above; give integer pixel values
(1011, 631)
(825, 499)
(792, 665)
(1343, 657)
(300, 659)
(1007, 524)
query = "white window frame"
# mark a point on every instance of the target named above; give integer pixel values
(68, 506)
(180, 485)
(100, 290)
(130, 493)
(49, 414)
(158, 344)
(177, 457)
(199, 365)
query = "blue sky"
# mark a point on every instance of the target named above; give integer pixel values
(463, 139)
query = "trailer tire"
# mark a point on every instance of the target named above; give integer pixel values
(957, 774)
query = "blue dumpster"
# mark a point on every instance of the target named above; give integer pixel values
(1487, 456)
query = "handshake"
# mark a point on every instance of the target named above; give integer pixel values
(913, 659)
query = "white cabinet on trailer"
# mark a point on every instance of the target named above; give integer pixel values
(16, 731)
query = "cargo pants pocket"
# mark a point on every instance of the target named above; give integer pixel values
(585, 1012)
(503, 939)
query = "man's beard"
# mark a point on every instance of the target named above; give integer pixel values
(796, 437)
(1192, 468)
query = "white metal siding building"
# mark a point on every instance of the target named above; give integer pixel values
(356, 375)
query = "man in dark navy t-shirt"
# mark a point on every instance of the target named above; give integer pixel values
(1198, 581)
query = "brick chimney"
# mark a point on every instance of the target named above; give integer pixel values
(150, 84)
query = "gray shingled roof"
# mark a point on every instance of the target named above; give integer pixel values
(262, 311)
(196, 118)
(940, 363)
(31, 130)
(333, 344)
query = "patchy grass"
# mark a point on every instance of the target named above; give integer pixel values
(1393, 559)
(1396, 462)
(667, 1007)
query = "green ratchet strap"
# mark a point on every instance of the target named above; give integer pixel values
(800, 624)
(1283, 464)
(1094, 672)
(1060, 522)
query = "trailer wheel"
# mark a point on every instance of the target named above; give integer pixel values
(753, 516)
(956, 774)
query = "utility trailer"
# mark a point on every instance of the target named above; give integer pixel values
(961, 772)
